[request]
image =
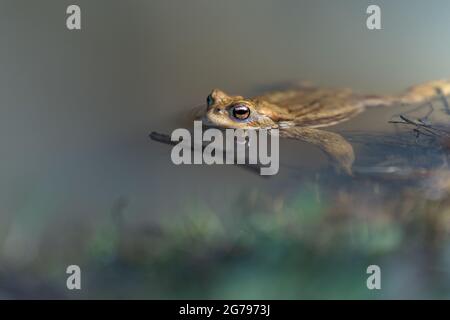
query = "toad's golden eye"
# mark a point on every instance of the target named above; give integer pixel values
(240, 111)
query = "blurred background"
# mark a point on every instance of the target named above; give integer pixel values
(81, 183)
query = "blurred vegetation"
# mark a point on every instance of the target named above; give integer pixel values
(315, 243)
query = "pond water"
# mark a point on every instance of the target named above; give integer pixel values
(81, 180)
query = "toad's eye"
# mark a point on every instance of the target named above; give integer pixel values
(209, 100)
(240, 112)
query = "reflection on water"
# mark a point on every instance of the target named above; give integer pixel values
(82, 183)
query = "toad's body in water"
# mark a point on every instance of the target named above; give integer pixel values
(298, 112)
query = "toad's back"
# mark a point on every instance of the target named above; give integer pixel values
(315, 107)
(319, 107)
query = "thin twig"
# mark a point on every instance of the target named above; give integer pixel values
(444, 100)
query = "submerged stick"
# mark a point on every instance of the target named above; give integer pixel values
(165, 139)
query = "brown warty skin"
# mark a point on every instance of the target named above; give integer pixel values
(298, 112)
